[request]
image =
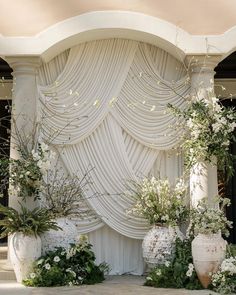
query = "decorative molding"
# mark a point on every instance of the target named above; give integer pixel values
(117, 24)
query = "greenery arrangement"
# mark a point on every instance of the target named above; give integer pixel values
(30, 223)
(177, 273)
(206, 219)
(74, 266)
(158, 201)
(209, 131)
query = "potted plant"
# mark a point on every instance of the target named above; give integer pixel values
(63, 195)
(208, 247)
(25, 228)
(164, 207)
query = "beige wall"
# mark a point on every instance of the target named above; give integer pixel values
(225, 88)
(5, 90)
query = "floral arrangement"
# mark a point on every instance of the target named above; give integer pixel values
(224, 280)
(158, 201)
(210, 220)
(74, 266)
(178, 272)
(209, 131)
(27, 172)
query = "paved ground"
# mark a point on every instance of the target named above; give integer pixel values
(114, 285)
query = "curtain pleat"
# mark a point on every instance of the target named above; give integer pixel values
(103, 105)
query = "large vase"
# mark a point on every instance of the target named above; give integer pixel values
(60, 238)
(158, 245)
(208, 252)
(23, 251)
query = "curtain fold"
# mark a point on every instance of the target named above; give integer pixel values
(103, 105)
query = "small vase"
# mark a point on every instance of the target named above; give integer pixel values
(23, 251)
(158, 244)
(208, 251)
(60, 238)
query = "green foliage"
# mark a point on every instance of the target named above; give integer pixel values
(34, 222)
(178, 273)
(61, 267)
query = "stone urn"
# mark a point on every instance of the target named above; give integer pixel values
(158, 244)
(60, 238)
(23, 251)
(208, 251)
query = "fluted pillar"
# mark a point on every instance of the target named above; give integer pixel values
(203, 176)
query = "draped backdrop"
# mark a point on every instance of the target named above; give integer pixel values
(103, 105)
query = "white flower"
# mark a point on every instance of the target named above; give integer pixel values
(32, 275)
(47, 266)
(44, 147)
(56, 259)
(167, 263)
(158, 272)
(190, 270)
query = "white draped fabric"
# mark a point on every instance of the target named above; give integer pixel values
(104, 105)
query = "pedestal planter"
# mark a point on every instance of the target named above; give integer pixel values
(61, 238)
(208, 252)
(158, 244)
(24, 250)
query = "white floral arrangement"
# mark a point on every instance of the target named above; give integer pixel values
(27, 172)
(224, 280)
(209, 130)
(158, 201)
(206, 219)
(72, 266)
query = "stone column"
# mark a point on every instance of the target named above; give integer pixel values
(24, 100)
(24, 95)
(203, 176)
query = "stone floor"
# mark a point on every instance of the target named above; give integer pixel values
(113, 285)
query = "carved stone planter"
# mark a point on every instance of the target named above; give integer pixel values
(60, 238)
(208, 252)
(23, 250)
(158, 244)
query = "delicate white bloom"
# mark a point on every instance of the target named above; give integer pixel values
(167, 263)
(190, 270)
(32, 275)
(158, 272)
(148, 278)
(47, 266)
(44, 147)
(56, 259)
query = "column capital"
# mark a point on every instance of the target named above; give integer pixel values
(202, 63)
(24, 65)
(201, 71)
